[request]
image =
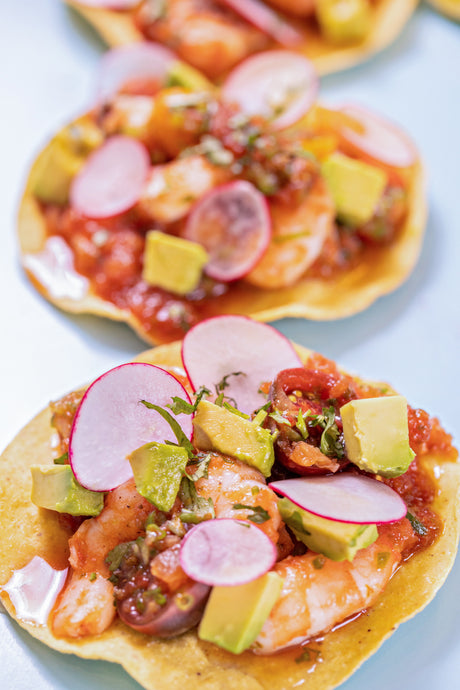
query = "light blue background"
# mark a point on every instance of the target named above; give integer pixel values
(410, 338)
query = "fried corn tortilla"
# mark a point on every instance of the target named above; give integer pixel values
(451, 8)
(184, 661)
(388, 20)
(378, 272)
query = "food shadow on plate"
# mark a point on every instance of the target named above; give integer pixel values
(423, 653)
(83, 28)
(321, 336)
(69, 671)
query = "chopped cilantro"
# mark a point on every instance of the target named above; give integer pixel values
(92, 577)
(196, 508)
(319, 562)
(201, 471)
(301, 426)
(62, 459)
(418, 527)
(259, 514)
(278, 417)
(116, 555)
(180, 406)
(235, 410)
(331, 443)
(175, 426)
(308, 654)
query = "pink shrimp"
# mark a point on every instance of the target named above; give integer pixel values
(85, 606)
(208, 36)
(122, 519)
(173, 188)
(299, 233)
(231, 482)
(318, 593)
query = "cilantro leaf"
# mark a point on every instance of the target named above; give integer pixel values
(175, 426)
(259, 514)
(418, 527)
(181, 406)
(196, 508)
(62, 459)
(201, 471)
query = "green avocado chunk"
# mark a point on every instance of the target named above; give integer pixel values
(58, 164)
(158, 469)
(55, 487)
(182, 74)
(376, 434)
(234, 616)
(356, 187)
(173, 263)
(216, 428)
(344, 21)
(339, 541)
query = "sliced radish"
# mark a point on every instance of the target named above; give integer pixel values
(34, 589)
(233, 224)
(278, 85)
(267, 20)
(110, 4)
(111, 422)
(226, 552)
(112, 179)
(344, 497)
(381, 140)
(143, 63)
(224, 345)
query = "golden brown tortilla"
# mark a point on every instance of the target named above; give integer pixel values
(186, 661)
(378, 272)
(451, 8)
(389, 19)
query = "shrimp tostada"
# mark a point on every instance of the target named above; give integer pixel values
(231, 506)
(162, 210)
(216, 35)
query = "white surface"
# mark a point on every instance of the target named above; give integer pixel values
(409, 338)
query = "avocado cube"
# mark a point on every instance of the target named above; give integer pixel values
(344, 21)
(356, 187)
(376, 434)
(234, 616)
(338, 541)
(55, 487)
(53, 173)
(173, 263)
(216, 428)
(158, 469)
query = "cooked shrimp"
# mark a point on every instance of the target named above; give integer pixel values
(121, 520)
(173, 188)
(231, 482)
(208, 36)
(318, 593)
(299, 233)
(85, 607)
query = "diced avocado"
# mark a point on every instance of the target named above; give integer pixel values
(234, 616)
(158, 469)
(54, 171)
(376, 434)
(173, 263)
(55, 487)
(338, 541)
(216, 428)
(182, 74)
(356, 187)
(344, 21)
(61, 160)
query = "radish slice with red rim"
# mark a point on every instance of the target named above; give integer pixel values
(225, 345)
(344, 498)
(136, 63)
(267, 20)
(232, 222)
(110, 4)
(381, 140)
(226, 552)
(111, 422)
(112, 179)
(278, 85)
